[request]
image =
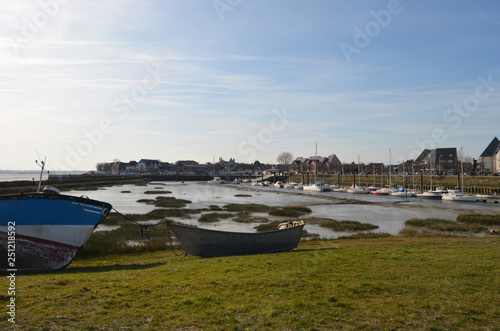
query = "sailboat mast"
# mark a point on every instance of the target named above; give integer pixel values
(462, 168)
(390, 166)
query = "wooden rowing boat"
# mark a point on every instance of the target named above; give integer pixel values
(206, 242)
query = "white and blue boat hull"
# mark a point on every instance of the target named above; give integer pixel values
(49, 228)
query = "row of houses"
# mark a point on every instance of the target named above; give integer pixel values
(446, 160)
(438, 160)
(157, 166)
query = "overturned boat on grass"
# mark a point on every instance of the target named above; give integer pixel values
(206, 242)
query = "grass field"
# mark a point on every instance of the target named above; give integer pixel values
(431, 283)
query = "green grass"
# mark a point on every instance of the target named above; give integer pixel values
(157, 192)
(370, 284)
(250, 207)
(487, 220)
(268, 226)
(213, 217)
(443, 225)
(290, 211)
(245, 218)
(349, 226)
(170, 202)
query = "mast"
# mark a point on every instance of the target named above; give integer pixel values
(390, 167)
(462, 168)
(42, 166)
(359, 171)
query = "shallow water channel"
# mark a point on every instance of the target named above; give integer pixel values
(389, 213)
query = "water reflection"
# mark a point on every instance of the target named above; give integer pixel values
(389, 213)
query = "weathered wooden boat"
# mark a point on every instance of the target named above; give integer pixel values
(45, 230)
(206, 242)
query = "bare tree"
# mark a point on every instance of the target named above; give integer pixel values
(285, 158)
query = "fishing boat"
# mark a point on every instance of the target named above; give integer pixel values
(206, 242)
(46, 229)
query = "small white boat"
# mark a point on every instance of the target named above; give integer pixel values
(382, 191)
(356, 189)
(314, 187)
(289, 185)
(299, 186)
(340, 190)
(327, 188)
(412, 193)
(402, 192)
(457, 195)
(278, 184)
(440, 190)
(216, 180)
(429, 195)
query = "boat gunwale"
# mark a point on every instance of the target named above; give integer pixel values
(169, 223)
(82, 199)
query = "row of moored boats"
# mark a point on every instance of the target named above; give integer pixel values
(439, 193)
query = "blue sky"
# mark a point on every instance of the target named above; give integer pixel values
(84, 82)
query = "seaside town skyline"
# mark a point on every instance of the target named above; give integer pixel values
(439, 160)
(245, 80)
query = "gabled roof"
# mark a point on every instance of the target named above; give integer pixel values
(434, 155)
(333, 158)
(422, 156)
(447, 154)
(300, 160)
(492, 148)
(317, 159)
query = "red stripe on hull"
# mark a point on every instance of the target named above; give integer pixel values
(38, 254)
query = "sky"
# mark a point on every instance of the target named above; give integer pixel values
(83, 82)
